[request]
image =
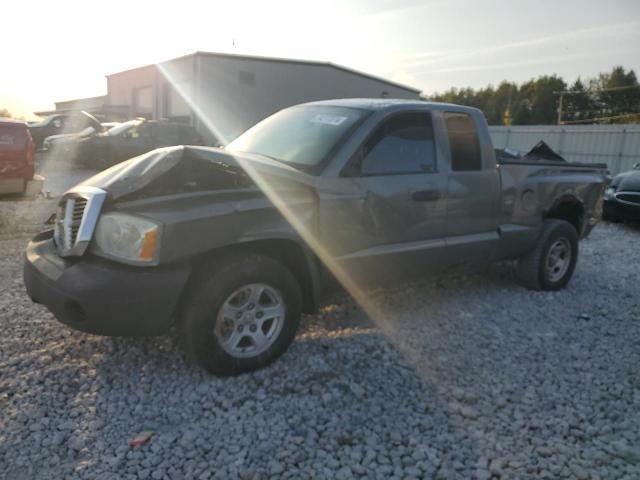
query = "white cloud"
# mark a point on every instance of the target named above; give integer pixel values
(513, 64)
(559, 40)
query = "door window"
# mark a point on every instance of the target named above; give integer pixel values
(167, 134)
(463, 142)
(140, 130)
(76, 123)
(403, 144)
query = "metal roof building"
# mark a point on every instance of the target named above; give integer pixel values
(224, 94)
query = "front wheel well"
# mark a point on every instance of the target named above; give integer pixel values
(302, 264)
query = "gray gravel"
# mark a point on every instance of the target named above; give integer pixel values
(473, 377)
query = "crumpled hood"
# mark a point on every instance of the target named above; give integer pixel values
(182, 169)
(627, 181)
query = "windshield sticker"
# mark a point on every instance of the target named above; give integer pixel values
(328, 119)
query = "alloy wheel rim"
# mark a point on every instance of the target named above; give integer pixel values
(558, 259)
(250, 320)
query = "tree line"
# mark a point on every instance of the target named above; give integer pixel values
(610, 97)
(4, 113)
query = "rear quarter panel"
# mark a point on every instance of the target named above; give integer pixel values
(530, 192)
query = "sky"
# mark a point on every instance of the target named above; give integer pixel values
(62, 50)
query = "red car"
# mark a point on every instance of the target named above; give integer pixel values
(16, 159)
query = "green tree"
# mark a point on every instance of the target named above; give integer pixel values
(501, 102)
(521, 112)
(536, 102)
(578, 106)
(618, 93)
(542, 99)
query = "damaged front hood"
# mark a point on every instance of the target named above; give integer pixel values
(174, 170)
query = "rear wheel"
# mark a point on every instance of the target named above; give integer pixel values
(242, 315)
(550, 265)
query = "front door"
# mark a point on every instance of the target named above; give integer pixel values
(389, 212)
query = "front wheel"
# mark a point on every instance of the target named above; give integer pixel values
(242, 314)
(550, 265)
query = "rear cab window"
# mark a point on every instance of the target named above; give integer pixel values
(464, 144)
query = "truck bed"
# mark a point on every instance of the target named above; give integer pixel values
(532, 189)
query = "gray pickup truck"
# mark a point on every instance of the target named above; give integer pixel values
(232, 245)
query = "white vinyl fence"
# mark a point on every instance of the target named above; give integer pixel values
(616, 145)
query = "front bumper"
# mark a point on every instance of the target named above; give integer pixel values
(102, 297)
(614, 209)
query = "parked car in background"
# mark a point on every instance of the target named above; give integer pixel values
(17, 170)
(61, 123)
(50, 143)
(128, 140)
(232, 245)
(622, 197)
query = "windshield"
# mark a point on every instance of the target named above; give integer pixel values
(123, 127)
(303, 136)
(42, 122)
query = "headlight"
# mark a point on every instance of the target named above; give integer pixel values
(127, 238)
(609, 193)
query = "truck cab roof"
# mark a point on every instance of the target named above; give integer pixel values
(12, 122)
(380, 104)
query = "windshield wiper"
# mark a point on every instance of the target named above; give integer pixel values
(269, 156)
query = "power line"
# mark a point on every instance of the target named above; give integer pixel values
(594, 90)
(562, 93)
(591, 120)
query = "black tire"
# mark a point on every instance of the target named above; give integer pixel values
(211, 288)
(532, 272)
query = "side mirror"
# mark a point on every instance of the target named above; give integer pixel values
(636, 166)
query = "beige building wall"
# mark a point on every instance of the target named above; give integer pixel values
(223, 95)
(235, 93)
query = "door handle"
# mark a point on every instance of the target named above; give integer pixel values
(425, 196)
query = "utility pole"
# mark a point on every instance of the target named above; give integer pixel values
(560, 108)
(593, 91)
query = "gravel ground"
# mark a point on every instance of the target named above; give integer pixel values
(469, 376)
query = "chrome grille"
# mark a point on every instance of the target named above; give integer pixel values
(76, 219)
(73, 211)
